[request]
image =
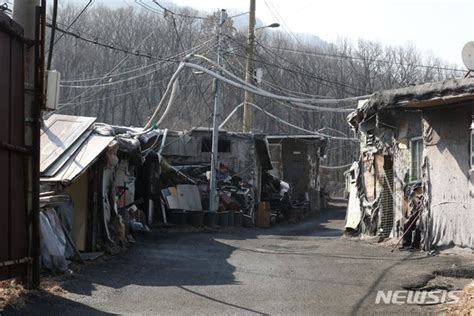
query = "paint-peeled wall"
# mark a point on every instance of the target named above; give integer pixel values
(450, 219)
(408, 127)
(241, 156)
(385, 171)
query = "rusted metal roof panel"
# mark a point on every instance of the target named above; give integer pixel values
(58, 134)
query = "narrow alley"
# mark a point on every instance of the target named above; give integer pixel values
(305, 268)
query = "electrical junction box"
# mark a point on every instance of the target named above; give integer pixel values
(52, 89)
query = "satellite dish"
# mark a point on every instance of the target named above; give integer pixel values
(468, 55)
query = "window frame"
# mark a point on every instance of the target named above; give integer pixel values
(471, 141)
(206, 145)
(413, 140)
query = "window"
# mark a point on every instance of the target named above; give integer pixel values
(416, 148)
(472, 144)
(223, 145)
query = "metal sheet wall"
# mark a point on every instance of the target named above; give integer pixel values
(13, 219)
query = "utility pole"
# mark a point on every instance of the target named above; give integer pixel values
(27, 13)
(249, 65)
(213, 198)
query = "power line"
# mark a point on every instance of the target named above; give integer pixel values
(258, 90)
(112, 47)
(109, 83)
(125, 93)
(193, 74)
(303, 72)
(274, 12)
(280, 120)
(74, 21)
(146, 6)
(316, 54)
(306, 73)
(111, 71)
(166, 10)
(275, 86)
(141, 67)
(138, 83)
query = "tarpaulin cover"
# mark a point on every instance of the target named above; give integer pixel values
(53, 241)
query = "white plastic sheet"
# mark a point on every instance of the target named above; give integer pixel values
(53, 241)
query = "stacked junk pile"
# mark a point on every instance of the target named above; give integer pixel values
(185, 198)
(248, 194)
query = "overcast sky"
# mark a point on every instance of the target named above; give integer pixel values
(440, 27)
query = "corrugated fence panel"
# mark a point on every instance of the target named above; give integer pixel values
(13, 219)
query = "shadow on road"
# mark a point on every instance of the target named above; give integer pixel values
(47, 304)
(187, 259)
(177, 259)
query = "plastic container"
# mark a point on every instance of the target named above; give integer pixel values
(195, 218)
(224, 219)
(231, 218)
(178, 217)
(238, 219)
(210, 218)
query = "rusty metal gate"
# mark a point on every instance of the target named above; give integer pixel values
(13, 219)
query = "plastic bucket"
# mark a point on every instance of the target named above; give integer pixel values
(195, 218)
(210, 218)
(224, 219)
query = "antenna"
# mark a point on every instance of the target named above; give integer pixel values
(468, 55)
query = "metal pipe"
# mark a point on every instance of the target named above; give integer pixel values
(230, 115)
(53, 32)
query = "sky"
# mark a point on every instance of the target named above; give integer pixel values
(436, 27)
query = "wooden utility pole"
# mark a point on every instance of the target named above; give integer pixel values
(213, 198)
(249, 69)
(27, 13)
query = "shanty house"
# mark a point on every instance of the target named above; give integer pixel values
(296, 160)
(421, 135)
(246, 155)
(69, 150)
(88, 180)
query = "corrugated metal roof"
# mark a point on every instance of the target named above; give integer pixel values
(58, 134)
(82, 158)
(64, 157)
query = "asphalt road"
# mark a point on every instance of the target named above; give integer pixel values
(291, 269)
